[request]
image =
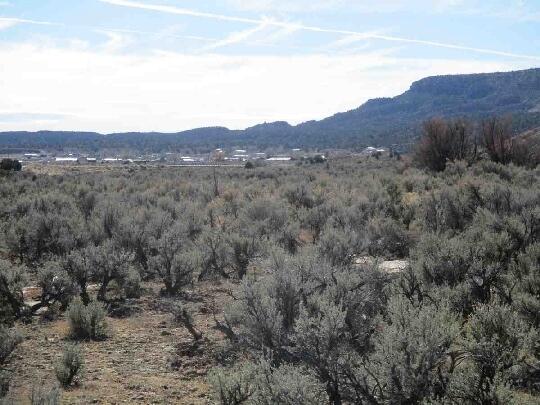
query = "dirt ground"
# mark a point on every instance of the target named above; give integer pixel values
(143, 361)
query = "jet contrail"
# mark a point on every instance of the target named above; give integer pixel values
(23, 21)
(269, 22)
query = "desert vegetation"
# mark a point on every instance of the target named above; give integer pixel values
(307, 313)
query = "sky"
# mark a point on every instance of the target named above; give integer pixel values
(170, 65)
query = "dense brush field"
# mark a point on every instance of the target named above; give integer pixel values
(262, 286)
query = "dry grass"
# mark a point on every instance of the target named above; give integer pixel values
(56, 170)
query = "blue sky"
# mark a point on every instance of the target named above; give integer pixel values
(169, 65)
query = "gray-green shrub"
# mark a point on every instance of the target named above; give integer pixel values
(87, 321)
(41, 395)
(69, 369)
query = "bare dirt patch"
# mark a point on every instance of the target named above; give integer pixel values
(143, 361)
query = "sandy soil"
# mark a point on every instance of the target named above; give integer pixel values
(143, 361)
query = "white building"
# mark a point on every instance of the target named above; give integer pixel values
(370, 150)
(66, 160)
(280, 159)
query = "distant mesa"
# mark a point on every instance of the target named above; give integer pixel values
(388, 122)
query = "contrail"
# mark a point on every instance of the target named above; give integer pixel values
(23, 21)
(366, 35)
(234, 38)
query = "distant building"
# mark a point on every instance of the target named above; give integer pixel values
(279, 159)
(66, 160)
(217, 155)
(370, 150)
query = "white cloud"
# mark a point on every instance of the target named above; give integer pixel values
(5, 24)
(282, 24)
(163, 91)
(116, 40)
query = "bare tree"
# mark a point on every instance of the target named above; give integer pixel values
(445, 141)
(496, 136)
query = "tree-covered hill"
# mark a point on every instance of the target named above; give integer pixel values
(384, 121)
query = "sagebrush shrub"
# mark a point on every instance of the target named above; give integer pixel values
(5, 380)
(45, 396)
(261, 384)
(87, 321)
(9, 339)
(132, 285)
(232, 388)
(70, 367)
(386, 238)
(12, 279)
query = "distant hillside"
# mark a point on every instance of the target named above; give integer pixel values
(384, 121)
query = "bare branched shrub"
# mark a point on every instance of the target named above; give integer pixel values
(445, 141)
(182, 316)
(496, 136)
(243, 249)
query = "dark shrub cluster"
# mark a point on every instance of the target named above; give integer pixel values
(445, 141)
(10, 165)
